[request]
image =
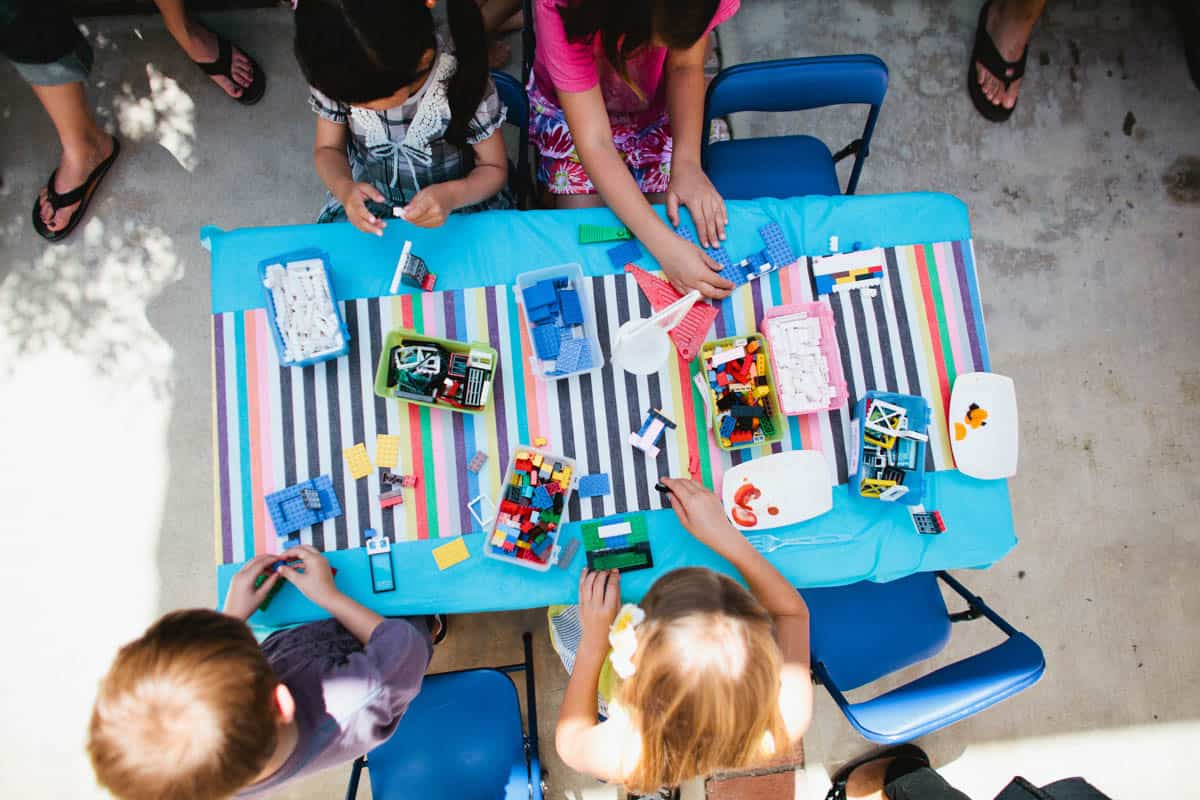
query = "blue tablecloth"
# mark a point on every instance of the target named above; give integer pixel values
(492, 248)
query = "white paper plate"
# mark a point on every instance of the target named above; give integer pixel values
(983, 425)
(793, 486)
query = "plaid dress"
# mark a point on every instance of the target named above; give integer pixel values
(401, 150)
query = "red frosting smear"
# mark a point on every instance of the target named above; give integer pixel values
(772, 510)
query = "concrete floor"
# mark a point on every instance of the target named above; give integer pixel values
(1086, 213)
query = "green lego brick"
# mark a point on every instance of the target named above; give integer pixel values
(594, 234)
(259, 581)
(623, 559)
(635, 554)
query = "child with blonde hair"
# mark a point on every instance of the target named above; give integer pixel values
(703, 675)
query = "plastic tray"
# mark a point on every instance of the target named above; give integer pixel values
(828, 347)
(493, 552)
(284, 260)
(776, 417)
(918, 419)
(394, 338)
(574, 274)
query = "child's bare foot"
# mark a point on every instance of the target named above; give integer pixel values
(1009, 23)
(202, 47)
(73, 169)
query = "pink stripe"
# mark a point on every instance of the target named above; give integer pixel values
(433, 313)
(270, 482)
(953, 309)
(254, 401)
(538, 411)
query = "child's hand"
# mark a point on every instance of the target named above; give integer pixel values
(688, 267)
(430, 206)
(353, 198)
(700, 511)
(316, 581)
(242, 598)
(599, 602)
(690, 186)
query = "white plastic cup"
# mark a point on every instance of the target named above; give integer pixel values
(642, 351)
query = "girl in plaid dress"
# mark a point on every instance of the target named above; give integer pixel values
(404, 120)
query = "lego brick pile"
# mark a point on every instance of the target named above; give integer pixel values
(532, 507)
(736, 370)
(802, 375)
(302, 310)
(889, 450)
(556, 318)
(428, 372)
(777, 253)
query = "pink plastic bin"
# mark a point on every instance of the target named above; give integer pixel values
(828, 347)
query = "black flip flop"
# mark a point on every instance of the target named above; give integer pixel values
(985, 53)
(442, 631)
(904, 752)
(81, 194)
(224, 66)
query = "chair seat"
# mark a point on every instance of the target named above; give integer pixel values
(866, 630)
(461, 739)
(774, 166)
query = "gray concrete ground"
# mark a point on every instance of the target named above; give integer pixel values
(1086, 214)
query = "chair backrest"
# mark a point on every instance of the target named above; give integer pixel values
(513, 95)
(799, 84)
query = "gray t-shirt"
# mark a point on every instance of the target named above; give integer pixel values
(349, 698)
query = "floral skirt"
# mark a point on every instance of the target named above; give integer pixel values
(644, 142)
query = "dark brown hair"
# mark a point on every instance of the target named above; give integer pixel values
(186, 711)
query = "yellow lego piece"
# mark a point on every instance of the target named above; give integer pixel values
(537, 460)
(522, 455)
(872, 487)
(387, 450)
(879, 440)
(498, 538)
(357, 461)
(539, 441)
(760, 361)
(762, 391)
(521, 543)
(451, 553)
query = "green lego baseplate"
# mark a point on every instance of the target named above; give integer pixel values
(594, 234)
(625, 552)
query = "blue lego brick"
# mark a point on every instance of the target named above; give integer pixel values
(616, 541)
(573, 355)
(541, 498)
(597, 485)
(569, 308)
(291, 543)
(545, 341)
(540, 294)
(624, 253)
(288, 510)
(727, 425)
(778, 251)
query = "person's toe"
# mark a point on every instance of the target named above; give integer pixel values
(1010, 96)
(231, 88)
(243, 71)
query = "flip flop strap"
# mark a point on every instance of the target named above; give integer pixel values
(58, 201)
(224, 63)
(987, 54)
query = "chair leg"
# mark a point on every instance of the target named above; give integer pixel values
(355, 774)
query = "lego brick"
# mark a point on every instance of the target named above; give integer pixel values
(623, 559)
(387, 450)
(614, 529)
(597, 485)
(311, 499)
(538, 295)
(289, 513)
(274, 590)
(778, 251)
(357, 461)
(546, 341)
(570, 354)
(451, 553)
(622, 254)
(477, 461)
(595, 234)
(541, 498)
(569, 308)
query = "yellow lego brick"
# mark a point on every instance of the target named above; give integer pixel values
(387, 450)
(451, 553)
(357, 461)
(539, 441)
(537, 460)
(498, 538)
(762, 391)
(522, 544)
(760, 361)
(522, 455)
(886, 442)
(872, 487)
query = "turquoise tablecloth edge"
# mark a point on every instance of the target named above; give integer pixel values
(473, 250)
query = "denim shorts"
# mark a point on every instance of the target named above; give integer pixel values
(42, 42)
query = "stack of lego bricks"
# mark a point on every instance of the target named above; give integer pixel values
(531, 508)
(740, 386)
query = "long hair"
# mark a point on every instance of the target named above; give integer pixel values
(187, 711)
(358, 51)
(624, 27)
(705, 693)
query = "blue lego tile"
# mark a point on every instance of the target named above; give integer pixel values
(727, 425)
(734, 274)
(568, 307)
(778, 251)
(541, 498)
(597, 485)
(291, 543)
(545, 341)
(540, 294)
(613, 542)
(624, 253)
(572, 354)
(289, 513)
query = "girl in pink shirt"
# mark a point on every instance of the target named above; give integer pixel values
(612, 79)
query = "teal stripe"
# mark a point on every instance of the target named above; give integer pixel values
(239, 347)
(517, 364)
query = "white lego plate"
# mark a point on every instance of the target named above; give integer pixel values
(983, 425)
(792, 486)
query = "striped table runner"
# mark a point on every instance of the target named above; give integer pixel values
(275, 426)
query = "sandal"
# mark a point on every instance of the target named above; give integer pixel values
(985, 53)
(908, 757)
(224, 66)
(81, 194)
(443, 623)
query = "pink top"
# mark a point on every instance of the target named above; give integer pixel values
(568, 66)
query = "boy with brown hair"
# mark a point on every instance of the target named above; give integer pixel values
(196, 709)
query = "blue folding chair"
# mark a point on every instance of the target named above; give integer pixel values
(512, 94)
(864, 631)
(461, 739)
(789, 166)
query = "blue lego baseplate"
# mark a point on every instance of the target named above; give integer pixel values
(777, 253)
(597, 485)
(546, 341)
(289, 512)
(624, 253)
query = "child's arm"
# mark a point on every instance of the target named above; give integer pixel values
(685, 107)
(583, 744)
(685, 264)
(430, 206)
(333, 168)
(701, 513)
(316, 582)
